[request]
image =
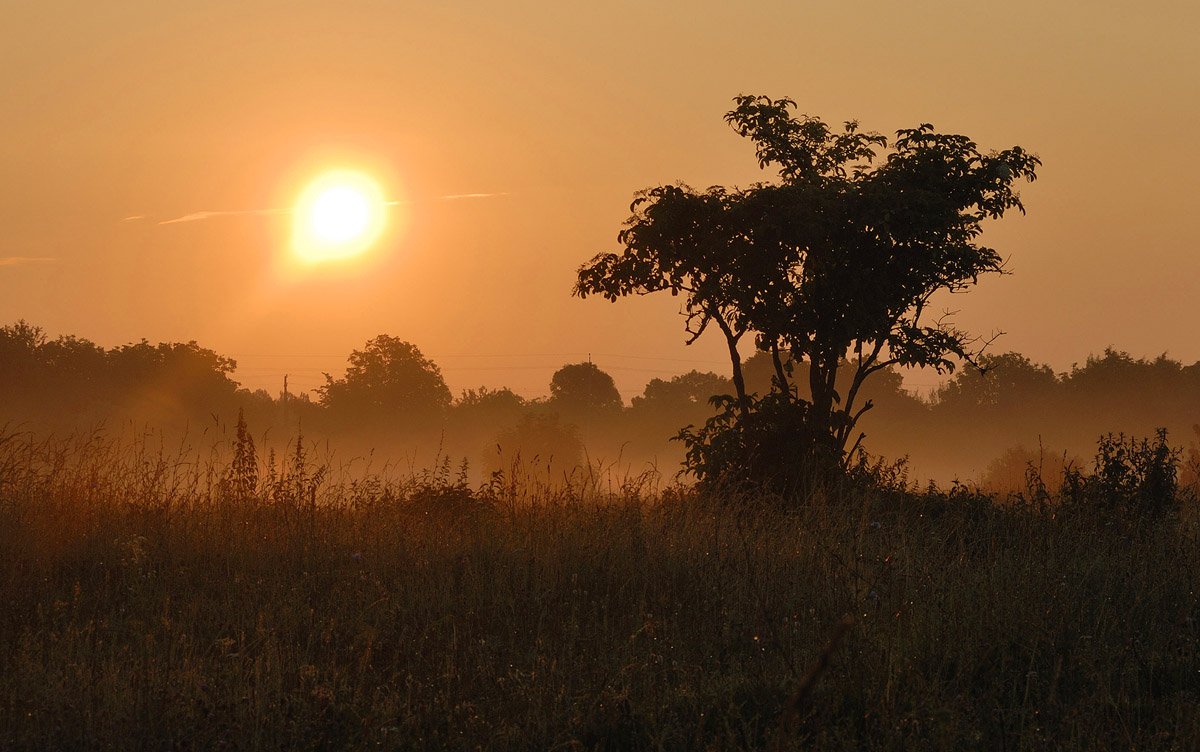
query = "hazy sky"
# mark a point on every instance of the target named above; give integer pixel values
(161, 109)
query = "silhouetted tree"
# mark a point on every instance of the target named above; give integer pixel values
(681, 395)
(388, 382)
(477, 414)
(490, 405)
(839, 259)
(21, 339)
(74, 359)
(1118, 375)
(69, 377)
(668, 405)
(583, 391)
(1000, 382)
(75, 372)
(180, 374)
(20, 357)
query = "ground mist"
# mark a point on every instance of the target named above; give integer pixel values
(171, 599)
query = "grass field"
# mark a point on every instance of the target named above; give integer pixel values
(155, 600)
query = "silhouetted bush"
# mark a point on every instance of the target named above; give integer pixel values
(1132, 478)
(772, 448)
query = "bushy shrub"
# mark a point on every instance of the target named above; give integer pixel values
(773, 448)
(1131, 477)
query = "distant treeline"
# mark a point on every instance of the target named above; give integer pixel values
(1011, 402)
(391, 395)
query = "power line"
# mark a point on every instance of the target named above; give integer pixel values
(281, 370)
(491, 355)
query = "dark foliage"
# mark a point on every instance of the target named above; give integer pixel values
(834, 266)
(1132, 478)
(388, 382)
(582, 391)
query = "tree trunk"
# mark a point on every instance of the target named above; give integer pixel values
(739, 382)
(735, 360)
(822, 377)
(780, 375)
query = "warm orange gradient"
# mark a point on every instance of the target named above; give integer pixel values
(163, 110)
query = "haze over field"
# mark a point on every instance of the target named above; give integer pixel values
(508, 139)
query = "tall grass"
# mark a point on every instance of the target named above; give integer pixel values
(151, 602)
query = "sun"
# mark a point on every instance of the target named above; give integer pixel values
(339, 215)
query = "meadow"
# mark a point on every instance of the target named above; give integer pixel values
(169, 597)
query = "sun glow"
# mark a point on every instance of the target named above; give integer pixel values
(339, 215)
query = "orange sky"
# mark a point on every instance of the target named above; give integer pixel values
(164, 109)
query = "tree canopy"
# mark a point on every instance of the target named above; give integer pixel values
(834, 265)
(389, 381)
(582, 390)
